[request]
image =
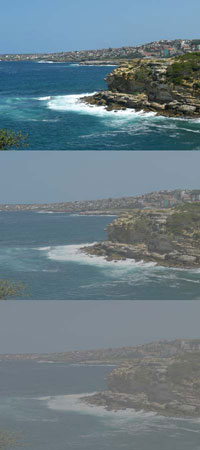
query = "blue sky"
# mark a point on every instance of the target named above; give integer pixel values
(61, 25)
(28, 177)
(75, 325)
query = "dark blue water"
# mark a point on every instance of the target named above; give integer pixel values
(43, 101)
(42, 250)
(40, 404)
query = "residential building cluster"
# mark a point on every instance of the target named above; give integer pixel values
(153, 200)
(157, 49)
(159, 349)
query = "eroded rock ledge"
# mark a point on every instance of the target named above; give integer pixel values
(165, 386)
(168, 87)
(168, 237)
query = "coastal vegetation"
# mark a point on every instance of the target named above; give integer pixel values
(9, 440)
(11, 140)
(11, 289)
(188, 365)
(186, 218)
(185, 69)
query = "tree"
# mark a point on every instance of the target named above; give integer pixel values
(9, 289)
(9, 439)
(12, 139)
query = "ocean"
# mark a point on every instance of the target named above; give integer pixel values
(42, 250)
(40, 405)
(42, 100)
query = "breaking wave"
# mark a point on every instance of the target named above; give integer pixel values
(73, 253)
(44, 98)
(74, 403)
(45, 62)
(73, 103)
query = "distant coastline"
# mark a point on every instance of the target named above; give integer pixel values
(161, 49)
(112, 206)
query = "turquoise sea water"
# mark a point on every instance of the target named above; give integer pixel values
(40, 403)
(43, 251)
(42, 99)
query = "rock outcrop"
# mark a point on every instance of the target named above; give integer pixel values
(166, 386)
(168, 237)
(169, 87)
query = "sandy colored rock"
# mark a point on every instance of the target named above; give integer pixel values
(169, 87)
(168, 237)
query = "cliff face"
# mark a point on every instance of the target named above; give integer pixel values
(167, 386)
(168, 237)
(169, 87)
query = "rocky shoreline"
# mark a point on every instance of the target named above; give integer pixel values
(113, 401)
(168, 87)
(112, 101)
(169, 238)
(99, 63)
(139, 253)
(164, 386)
(161, 377)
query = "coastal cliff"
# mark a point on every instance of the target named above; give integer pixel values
(161, 376)
(166, 386)
(169, 87)
(168, 237)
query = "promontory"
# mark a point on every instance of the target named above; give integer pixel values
(168, 386)
(168, 87)
(162, 376)
(167, 237)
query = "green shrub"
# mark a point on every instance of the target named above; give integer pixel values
(143, 74)
(10, 139)
(184, 217)
(9, 440)
(184, 68)
(10, 289)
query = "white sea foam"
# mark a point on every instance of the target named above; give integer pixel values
(44, 212)
(73, 103)
(45, 62)
(42, 120)
(52, 212)
(74, 403)
(73, 253)
(91, 365)
(98, 65)
(92, 215)
(59, 62)
(75, 214)
(43, 98)
(45, 362)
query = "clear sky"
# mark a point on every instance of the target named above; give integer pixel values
(62, 25)
(39, 326)
(28, 177)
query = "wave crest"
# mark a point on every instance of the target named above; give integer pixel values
(74, 253)
(74, 403)
(73, 103)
